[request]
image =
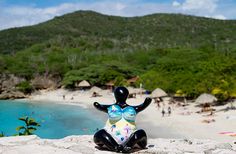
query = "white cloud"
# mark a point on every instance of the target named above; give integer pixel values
(219, 16)
(200, 5)
(176, 4)
(120, 6)
(206, 8)
(21, 16)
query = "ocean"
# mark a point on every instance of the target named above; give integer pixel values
(56, 120)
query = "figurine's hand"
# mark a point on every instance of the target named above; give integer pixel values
(96, 104)
(148, 100)
(142, 106)
(100, 107)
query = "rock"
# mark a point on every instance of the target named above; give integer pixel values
(208, 152)
(1, 88)
(224, 146)
(12, 95)
(19, 140)
(84, 144)
(9, 82)
(41, 82)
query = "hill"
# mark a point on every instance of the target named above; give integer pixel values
(156, 30)
(175, 52)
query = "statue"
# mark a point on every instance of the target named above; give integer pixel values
(120, 133)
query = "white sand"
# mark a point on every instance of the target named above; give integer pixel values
(178, 125)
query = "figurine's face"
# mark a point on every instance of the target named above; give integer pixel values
(121, 94)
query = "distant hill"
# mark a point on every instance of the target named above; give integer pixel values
(156, 30)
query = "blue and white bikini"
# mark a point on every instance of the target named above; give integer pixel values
(121, 122)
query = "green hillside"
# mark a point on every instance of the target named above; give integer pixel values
(171, 51)
(157, 30)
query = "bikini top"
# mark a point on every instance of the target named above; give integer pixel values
(116, 113)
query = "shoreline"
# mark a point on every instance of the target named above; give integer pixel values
(184, 122)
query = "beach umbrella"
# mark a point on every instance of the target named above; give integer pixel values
(135, 90)
(206, 98)
(110, 83)
(158, 93)
(132, 90)
(95, 89)
(179, 93)
(83, 83)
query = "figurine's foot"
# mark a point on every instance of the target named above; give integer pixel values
(126, 149)
(119, 148)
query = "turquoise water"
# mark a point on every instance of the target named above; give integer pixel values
(57, 121)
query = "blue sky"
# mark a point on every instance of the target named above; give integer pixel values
(17, 13)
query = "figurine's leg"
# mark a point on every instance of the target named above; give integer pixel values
(139, 137)
(101, 138)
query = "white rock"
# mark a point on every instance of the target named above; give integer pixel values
(84, 145)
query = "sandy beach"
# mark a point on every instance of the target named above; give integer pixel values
(183, 122)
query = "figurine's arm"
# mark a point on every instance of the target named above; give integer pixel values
(101, 107)
(142, 106)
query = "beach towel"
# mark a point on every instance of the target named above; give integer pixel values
(232, 134)
(226, 133)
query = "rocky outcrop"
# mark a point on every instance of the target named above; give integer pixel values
(9, 82)
(1, 88)
(8, 88)
(85, 145)
(12, 95)
(41, 82)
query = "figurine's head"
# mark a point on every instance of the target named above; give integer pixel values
(121, 94)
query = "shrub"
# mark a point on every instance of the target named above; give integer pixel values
(25, 87)
(29, 127)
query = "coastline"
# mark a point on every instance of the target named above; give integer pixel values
(178, 125)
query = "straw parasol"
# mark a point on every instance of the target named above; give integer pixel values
(95, 89)
(83, 84)
(110, 83)
(132, 90)
(206, 98)
(158, 93)
(135, 90)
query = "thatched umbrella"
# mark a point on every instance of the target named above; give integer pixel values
(110, 85)
(206, 98)
(95, 89)
(158, 93)
(83, 84)
(132, 90)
